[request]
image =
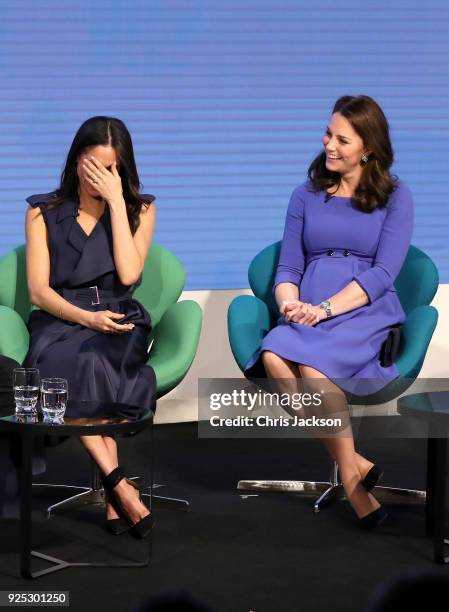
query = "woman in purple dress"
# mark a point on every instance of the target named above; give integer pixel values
(347, 233)
(86, 247)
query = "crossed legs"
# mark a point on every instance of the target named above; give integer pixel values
(352, 466)
(103, 450)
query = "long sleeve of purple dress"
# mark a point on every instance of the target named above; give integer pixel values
(394, 240)
(292, 257)
(328, 243)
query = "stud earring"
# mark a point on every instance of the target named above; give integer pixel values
(364, 158)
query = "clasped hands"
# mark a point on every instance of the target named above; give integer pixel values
(295, 311)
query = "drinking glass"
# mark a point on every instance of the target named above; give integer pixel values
(53, 398)
(26, 390)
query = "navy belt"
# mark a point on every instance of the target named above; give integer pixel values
(93, 296)
(338, 253)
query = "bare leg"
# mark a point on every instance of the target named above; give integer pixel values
(284, 374)
(282, 369)
(111, 445)
(363, 464)
(341, 447)
(98, 450)
(277, 367)
(103, 451)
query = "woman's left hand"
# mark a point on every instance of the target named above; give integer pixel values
(303, 313)
(107, 183)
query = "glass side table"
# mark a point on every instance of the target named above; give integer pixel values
(81, 419)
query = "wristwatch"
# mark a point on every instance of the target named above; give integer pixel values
(326, 306)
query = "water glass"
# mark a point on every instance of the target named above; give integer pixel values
(26, 390)
(53, 398)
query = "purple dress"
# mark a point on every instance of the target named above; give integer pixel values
(98, 366)
(326, 245)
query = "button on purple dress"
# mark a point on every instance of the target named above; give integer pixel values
(326, 245)
(98, 366)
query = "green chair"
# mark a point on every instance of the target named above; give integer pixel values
(175, 334)
(251, 317)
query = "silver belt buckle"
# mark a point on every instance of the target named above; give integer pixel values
(97, 296)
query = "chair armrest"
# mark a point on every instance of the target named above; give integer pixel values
(249, 320)
(14, 336)
(176, 338)
(416, 334)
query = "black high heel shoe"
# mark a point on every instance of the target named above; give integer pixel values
(143, 527)
(372, 477)
(116, 526)
(373, 519)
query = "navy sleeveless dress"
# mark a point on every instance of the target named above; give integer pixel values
(97, 366)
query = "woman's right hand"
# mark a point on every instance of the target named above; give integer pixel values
(103, 321)
(288, 305)
(301, 312)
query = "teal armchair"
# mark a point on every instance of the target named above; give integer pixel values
(251, 317)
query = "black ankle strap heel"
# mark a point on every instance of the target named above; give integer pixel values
(112, 479)
(119, 525)
(140, 529)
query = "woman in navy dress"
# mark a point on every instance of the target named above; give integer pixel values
(347, 233)
(86, 247)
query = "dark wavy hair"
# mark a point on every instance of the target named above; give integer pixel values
(376, 183)
(105, 131)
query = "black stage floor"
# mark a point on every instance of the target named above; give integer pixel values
(268, 553)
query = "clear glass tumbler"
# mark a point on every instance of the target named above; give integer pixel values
(54, 392)
(26, 390)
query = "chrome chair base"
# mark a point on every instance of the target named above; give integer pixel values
(395, 495)
(304, 488)
(87, 496)
(84, 496)
(330, 490)
(94, 496)
(168, 503)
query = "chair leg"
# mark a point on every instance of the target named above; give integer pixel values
(334, 492)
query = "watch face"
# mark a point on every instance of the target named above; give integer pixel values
(326, 306)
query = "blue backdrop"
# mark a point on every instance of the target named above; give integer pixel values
(226, 101)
